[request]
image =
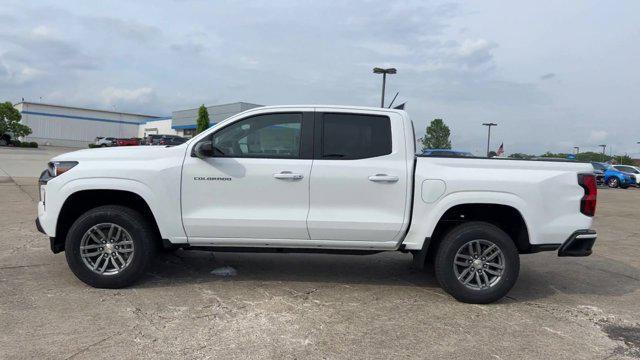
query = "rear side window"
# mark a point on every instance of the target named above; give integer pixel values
(353, 136)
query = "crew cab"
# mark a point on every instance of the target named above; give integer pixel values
(329, 179)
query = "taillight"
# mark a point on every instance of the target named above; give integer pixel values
(588, 201)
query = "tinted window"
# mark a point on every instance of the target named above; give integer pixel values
(628, 169)
(271, 135)
(350, 136)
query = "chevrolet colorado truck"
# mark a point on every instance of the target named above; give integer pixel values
(329, 179)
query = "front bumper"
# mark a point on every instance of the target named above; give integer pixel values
(56, 246)
(579, 243)
(39, 226)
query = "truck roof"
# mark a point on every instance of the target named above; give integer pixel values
(345, 107)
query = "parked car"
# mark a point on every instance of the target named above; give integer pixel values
(615, 178)
(5, 139)
(172, 140)
(598, 170)
(105, 141)
(264, 180)
(127, 142)
(152, 139)
(446, 153)
(634, 171)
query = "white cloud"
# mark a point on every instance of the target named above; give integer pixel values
(475, 52)
(30, 73)
(42, 31)
(597, 135)
(386, 48)
(117, 96)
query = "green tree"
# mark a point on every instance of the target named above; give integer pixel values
(492, 154)
(520, 156)
(437, 136)
(203, 119)
(10, 121)
(593, 156)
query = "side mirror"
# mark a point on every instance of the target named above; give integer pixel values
(203, 149)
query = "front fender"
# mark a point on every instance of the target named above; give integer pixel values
(426, 216)
(166, 226)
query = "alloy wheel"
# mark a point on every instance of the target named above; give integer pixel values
(106, 249)
(479, 264)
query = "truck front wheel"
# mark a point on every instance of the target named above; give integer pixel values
(477, 263)
(109, 246)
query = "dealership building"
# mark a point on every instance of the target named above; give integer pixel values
(183, 122)
(59, 125)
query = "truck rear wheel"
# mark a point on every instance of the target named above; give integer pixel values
(477, 263)
(109, 246)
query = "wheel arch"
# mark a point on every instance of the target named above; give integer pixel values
(506, 217)
(81, 201)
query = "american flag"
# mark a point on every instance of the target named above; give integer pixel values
(500, 150)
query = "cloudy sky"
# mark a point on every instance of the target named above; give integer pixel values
(552, 74)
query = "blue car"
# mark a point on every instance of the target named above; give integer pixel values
(614, 178)
(446, 153)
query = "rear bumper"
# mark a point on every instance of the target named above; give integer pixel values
(579, 243)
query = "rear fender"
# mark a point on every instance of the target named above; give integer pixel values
(426, 216)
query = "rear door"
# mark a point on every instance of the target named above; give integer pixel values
(359, 179)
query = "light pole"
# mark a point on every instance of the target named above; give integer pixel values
(603, 146)
(384, 73)
(489, 125)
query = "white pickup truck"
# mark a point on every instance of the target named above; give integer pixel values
(327, 179)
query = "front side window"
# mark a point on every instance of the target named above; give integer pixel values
(268, 136)
(353, 136)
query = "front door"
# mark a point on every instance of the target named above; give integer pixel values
(256, 184)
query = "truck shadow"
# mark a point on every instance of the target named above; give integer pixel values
(541, 275)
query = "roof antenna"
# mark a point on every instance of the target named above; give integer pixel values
(394, 99)
(401, 106)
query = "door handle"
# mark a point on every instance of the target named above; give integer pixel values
(287, 175)
(383, 178)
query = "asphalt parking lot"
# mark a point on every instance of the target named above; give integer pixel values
(310, 306)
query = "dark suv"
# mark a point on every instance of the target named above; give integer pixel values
(171, 140)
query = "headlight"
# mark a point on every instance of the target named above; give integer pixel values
(57, 168)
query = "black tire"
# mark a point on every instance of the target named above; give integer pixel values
(460, 236)
(613, 182)
(136, 225)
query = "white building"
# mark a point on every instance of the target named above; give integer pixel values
(184, 121)
(60, 125)
(77, 127)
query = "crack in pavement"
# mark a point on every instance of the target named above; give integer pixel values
(88, 346)
(22, 266)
